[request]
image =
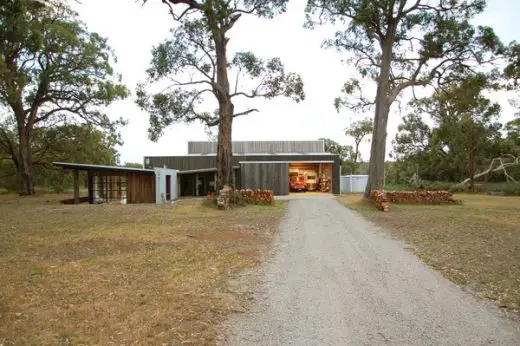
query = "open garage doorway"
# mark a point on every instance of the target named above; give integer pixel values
(310, 177)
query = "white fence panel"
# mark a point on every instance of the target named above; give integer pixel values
(353, 183)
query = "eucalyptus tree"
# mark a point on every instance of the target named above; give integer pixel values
(194, 63)
(52, 71)
(402, 44)
(358, 130)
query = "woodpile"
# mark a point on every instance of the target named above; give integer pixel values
(420, 197)
(380, 199)
(224, 197)
(257, 196)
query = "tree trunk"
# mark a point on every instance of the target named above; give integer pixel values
(224, 147)
(26, 187)
(471, 159)
(226, 109)
(376, 167)
(356, 158)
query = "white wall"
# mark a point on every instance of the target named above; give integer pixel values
(160, 184)
(353, 183)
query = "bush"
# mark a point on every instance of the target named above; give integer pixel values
(432, 185)
(507, 188)
(3, 191)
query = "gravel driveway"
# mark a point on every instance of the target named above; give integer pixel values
(334, 279)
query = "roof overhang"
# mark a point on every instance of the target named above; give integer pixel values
(97, 168)
(292, 161)
(202, 170)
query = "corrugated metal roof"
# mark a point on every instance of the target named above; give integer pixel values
(260, 154)
(89, 167)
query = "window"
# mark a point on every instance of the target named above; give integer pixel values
(109, 188)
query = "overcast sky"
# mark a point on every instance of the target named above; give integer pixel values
(132, 30)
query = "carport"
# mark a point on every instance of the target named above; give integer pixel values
(109, 184)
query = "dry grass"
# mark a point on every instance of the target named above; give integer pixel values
(115, 274)
(475, 244)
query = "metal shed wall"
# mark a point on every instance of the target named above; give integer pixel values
(268, 176)
(191, 162)
(260, 147)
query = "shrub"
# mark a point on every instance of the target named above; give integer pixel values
(507, 188)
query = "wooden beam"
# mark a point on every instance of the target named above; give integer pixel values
(76, 186)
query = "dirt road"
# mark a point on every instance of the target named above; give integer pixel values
(334, 279)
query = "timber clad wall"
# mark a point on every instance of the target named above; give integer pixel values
(184, 163)
(141, 188)
(262, 147)
(268, 176)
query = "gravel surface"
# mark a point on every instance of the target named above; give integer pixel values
(334, 279)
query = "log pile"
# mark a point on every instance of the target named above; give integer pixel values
(257, 196)
(420, 197)
(380, 199)
(224, 197)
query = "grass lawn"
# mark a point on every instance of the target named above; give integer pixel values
(475, 244)
(122, 274)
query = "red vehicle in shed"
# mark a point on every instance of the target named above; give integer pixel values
(297, 182)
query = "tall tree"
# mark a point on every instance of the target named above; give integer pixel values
(52, 69)
(359, 130)
(401, 44)
(194, 63)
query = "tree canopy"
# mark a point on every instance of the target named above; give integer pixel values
(466, 134)
(358, 130)
(65, 143)
(194, 64)
(53, 71)
(400, 44)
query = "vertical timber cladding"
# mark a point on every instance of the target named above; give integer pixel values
(192, 162)
(242, 147)
(141, 188)
(268, 176)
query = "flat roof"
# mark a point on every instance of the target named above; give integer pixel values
(89, 167)
(202, 170)
(252, 154)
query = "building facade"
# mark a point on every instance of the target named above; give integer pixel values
(272, 165)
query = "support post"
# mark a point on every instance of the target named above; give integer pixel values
(90, 187)
(196, 184)
(76, 186)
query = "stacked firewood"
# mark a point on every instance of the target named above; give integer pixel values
(420, 197)
(380, 199)
(257, 196)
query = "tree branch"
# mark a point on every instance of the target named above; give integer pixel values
(216, 121)
(245, 112)
(8, 145)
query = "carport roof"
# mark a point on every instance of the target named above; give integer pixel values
(90, 167)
